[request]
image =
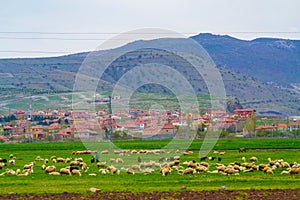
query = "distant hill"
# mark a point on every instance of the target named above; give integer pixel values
(255, 72)
(267, 59)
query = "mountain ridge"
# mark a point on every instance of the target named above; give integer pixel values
(241, 79)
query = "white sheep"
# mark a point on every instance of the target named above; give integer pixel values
(54, 173)
(50, 169)
(76, 172)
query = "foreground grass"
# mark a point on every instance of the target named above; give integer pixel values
(222, 144)
(40, 182)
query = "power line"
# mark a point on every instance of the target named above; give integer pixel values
(135, 33)
(51, 38)
(29, 51)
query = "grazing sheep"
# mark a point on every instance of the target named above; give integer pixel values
(203, 158)
(50, 169)
(10, 172)
(189, 170)
(83, 166)
(76, 172)
(25, 174)
(294, 171)
(52, 157)
(60, 160)
(104, 152)
(101, 164)
(271, 162)
(68, 160)
(242, 150)
(130, 171)
(176, 157)
(262, 166)
(139, 159)
(18, 171)
(65, 171)
(222, 152)
(103, 171)
(43, 167)
(29, 166)
(38, 158)
(205, 164)
(93, 160)
(244, 159)
(119, 160)
(253, 159)
(12, 162)
(135, 167)
(27, 171)
(75, 163)
(46, 161)
(112, 169)
(211, 158)
(165, 171)
(79, 159)
(201, 169)
(117, 152)
(134, 151)
(112, 160)
(193, 164)
(285, 165)
(285, 172)
(11, 156)
(54, 173)
(72, 167)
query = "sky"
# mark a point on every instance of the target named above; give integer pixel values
(34, 28)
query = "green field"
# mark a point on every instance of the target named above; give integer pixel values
(40, 182)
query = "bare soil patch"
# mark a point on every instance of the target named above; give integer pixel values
(215, 195)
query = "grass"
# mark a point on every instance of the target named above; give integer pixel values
(39, 182)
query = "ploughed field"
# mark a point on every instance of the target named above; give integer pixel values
(140, 169)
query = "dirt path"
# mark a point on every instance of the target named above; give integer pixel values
(215, 195)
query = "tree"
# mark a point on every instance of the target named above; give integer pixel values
(250, 124)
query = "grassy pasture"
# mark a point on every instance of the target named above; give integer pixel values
(40, 182)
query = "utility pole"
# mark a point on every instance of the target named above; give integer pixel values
(110, 119)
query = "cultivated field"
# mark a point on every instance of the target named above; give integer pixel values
(41, 182)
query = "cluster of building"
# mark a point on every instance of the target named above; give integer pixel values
(60, 125)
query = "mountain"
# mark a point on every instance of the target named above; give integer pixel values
(252, 71)
(267, 59)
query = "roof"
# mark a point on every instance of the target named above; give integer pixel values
(3, 138)
(282, 125)
(245, 110)
(229, 120)
(168, 126)
(265, 127)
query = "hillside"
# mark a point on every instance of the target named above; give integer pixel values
(243, 77)
(267, 59)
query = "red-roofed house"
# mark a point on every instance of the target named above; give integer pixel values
(244, 113)
(3, 138)
(294, 126)
(168, 129)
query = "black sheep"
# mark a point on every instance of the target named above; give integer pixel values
(203, 158)
(139, 159)
(92, 160)
(71, 168)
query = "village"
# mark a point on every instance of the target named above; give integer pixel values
(73, 125)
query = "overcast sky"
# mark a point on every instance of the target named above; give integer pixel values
(245, 19)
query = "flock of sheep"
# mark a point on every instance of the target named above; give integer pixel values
(76, 166)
